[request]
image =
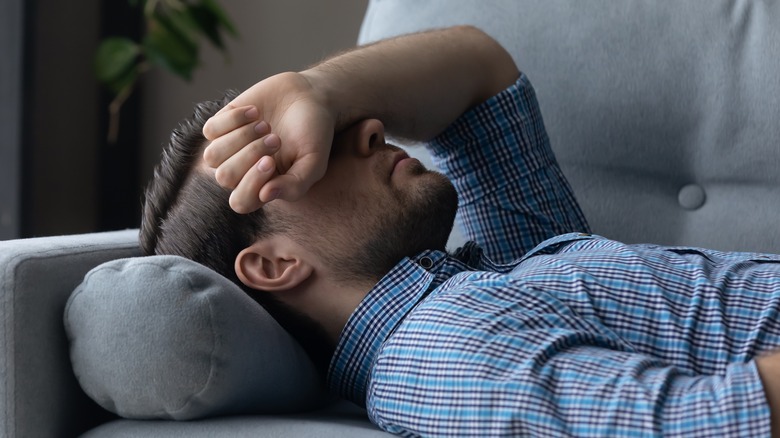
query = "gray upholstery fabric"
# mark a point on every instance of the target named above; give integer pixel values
(343, 420)
(39, 396)
(665, 115)
(164, 337)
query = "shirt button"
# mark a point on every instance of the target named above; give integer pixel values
(426, 262)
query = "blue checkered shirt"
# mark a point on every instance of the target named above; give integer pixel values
(572, 334)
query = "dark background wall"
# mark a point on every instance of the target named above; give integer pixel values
(11, 42)
(57, 174)
(61, 129)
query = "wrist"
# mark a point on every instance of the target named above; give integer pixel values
(325, 89)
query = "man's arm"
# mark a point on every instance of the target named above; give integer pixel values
(416, 84)
(512, 194)
(539, 367)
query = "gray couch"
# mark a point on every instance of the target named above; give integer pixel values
(665, 116)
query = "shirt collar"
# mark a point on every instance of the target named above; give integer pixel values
(375, 319)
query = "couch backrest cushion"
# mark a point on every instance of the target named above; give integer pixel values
(164, 337)
(664, 115)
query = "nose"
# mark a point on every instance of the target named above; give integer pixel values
(369, 135)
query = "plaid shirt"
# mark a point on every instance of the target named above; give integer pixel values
(576, 335)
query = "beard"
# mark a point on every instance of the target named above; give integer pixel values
(421, 219)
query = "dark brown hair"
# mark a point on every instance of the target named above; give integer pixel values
(186, 213)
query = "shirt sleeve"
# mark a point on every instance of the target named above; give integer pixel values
(583, 391)
(512, 194)
(538, 369)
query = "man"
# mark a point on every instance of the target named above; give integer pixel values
(537, 328)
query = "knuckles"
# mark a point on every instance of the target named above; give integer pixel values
(226, 177)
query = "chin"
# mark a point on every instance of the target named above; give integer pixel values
(421, 219)
(427, 220)
(435, 215)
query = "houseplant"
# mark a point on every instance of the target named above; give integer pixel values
(172, 35)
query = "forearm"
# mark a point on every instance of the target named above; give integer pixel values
(415, 84)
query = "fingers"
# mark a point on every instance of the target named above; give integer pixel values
(262, 183)
(232, 170)
(228, 119)
(250, 159)
(231, 143)
(244, 199)
(293, 184)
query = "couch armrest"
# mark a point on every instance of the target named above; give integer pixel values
(39, 395)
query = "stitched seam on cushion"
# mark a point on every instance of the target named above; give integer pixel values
(212, 367)
(9, 331)
(87, 278)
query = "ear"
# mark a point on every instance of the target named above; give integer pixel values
(272, 265)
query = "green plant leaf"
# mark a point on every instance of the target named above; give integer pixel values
(125, 80)
(180, 24)
(211, 21)
(115, 56)
(208, 25)
(171, 40)
(221, 16)
(165, 46)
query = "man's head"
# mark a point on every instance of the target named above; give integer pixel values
(373, 207)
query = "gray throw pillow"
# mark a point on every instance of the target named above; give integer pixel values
(164, 337)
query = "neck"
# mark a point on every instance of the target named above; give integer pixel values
(329, 303)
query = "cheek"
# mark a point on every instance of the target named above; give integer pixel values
(339, 204)
(353, 193)
(350, 184)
